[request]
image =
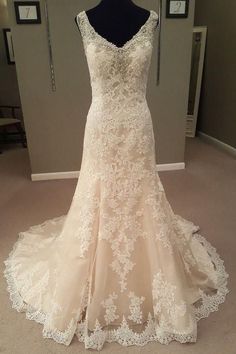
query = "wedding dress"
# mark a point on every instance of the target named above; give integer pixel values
(120, 266)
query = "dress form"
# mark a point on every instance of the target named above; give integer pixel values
(117, 20)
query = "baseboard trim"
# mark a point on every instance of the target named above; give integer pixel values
(75, 174)
(223, 146)
(54, 175)
(170, 166)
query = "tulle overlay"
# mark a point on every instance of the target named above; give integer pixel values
(120, 265)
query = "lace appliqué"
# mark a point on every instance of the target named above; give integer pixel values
(110, 307)
(135, 307)
(165, 307)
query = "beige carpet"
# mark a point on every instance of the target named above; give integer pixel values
(205, 192)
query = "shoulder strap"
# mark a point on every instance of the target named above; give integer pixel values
(85, 29)
(155, 17)
(81, 20)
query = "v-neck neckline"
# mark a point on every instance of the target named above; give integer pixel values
(113, 45)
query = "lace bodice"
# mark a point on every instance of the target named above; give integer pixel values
(118, 73)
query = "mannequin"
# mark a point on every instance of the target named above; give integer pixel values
(117, 20)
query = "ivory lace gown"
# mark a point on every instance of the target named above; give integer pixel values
(120, 266)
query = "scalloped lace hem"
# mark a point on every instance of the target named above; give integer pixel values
(123, 334)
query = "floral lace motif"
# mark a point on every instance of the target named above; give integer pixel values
(165, 299)
(110, 315)
(135, 307)
(120, 265)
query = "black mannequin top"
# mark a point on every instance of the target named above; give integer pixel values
(117, 20)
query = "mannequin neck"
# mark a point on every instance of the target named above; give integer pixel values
(116, 4)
